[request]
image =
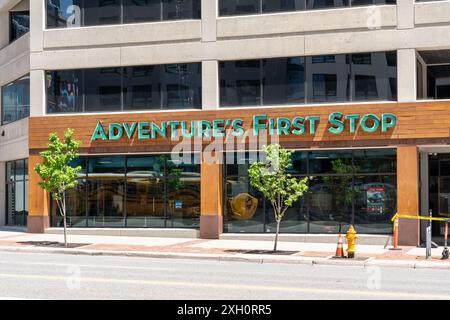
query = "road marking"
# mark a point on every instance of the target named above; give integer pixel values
(340, 292)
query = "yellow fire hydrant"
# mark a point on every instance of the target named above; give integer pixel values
(351, 242)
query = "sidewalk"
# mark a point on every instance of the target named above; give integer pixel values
(219, 250)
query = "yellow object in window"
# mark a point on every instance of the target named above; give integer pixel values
(243, 206)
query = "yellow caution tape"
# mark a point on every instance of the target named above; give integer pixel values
(405, 216)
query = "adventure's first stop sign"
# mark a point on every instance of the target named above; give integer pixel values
(262, 124)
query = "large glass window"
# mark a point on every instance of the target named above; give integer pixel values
(345, 187)
(174, 86)
(17, 192)
(76, 13)
(313, 79)
(139, 191)
(243, 7)
(19, 24)
(16, 100)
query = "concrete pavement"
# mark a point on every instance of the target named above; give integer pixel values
(222, 250)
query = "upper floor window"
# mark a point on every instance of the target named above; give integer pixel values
(19, 24)
(243, 7)
(157, 87)
(316, 79)
(78, 13)
(16, 100)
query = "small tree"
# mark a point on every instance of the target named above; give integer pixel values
(272, 179)
(55, 172)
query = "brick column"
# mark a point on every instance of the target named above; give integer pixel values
(38, 200)
(408, 194)
(211, 222)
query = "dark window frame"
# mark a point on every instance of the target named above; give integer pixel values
(11, 13)
(2, 102)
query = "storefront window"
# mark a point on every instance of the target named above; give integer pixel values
(17, 192)
(148, 191)
(16, 100)
(345, 187)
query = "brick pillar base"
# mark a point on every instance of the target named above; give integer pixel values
(211, 226)
(37, 224)
(408, 232)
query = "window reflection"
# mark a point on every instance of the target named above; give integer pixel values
(17, 192)
(148, 191)
(19, 24)
(345, 187)
(76, 13)
(174, 86)
(16, 100)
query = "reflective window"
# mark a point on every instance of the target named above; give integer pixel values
(64, 91)
(76, 13)
(242, 7)
(100, 12)
(141, 10)
(240, 83)
(181, 86)
(373, 76)
(329, 77)
(283, 81)
(19, 24)
(142, 88)
(181, 9)
(174, 86)
(64, 13)
(148, 191)
(16, 100)
(17, 192)
(314, 79)
(345, 187)
(102, 89)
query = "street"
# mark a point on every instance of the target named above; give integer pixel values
(60, 276)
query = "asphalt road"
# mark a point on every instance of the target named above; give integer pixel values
(57, 276)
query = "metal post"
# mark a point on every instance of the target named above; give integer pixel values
(428, 238)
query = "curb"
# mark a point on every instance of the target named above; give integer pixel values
(370, 262)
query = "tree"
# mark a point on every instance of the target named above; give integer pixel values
(56, 173)
(272, 179)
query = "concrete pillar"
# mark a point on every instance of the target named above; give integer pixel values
(37, 93)
(37, 13)
(405, 14)
(210, 85)
(209, 21)
(408, 194)
(406, 75)
(38, 200)
(211, 220)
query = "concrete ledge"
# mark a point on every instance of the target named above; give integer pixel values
(315, 238)
(156, 232)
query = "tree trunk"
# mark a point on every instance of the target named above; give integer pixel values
(65, 229)
(276, 236)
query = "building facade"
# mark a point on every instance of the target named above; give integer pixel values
(173, 99)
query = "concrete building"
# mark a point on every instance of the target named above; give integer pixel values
(125, 75)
